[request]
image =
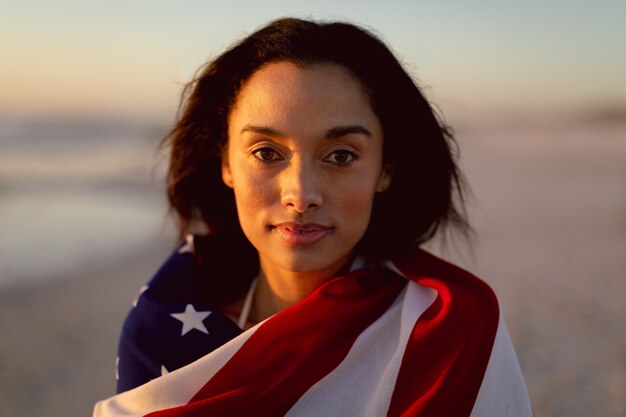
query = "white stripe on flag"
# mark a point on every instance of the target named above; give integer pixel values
(503, 391)
(363, 383)
(159, 394)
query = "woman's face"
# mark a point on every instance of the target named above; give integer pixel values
(304, 159)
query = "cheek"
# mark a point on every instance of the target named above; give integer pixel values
(252, 195)
(355, 204)
(359, 193)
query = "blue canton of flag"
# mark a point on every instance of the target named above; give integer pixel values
(166, 330)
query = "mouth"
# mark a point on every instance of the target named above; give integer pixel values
(301, 234)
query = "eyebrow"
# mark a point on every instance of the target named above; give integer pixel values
(340, 131)
(334, 133)
(262, 130)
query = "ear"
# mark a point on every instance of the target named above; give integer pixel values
(227, 175)
(384, 181)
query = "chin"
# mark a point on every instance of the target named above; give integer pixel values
(301, 265)
(309, 262)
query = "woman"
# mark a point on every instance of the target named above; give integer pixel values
(317, 168)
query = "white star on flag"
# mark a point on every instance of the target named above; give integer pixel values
(192, 319)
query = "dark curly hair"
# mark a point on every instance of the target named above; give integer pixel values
(427, 189)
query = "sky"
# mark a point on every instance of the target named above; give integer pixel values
(130, 58)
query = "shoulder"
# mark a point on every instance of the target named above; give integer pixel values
(190, 279)
(465, 311)
(171, 290)
(176, 280)
(170, 324)
(205, 269)
(465, 322)
(453, 284)
(503, 390)
(471, 309)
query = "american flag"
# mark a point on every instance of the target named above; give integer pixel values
(170, 325)
(415, 336)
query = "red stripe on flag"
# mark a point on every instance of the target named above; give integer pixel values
(295, 348)
(450, 345)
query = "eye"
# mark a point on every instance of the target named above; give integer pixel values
(267, 154)
(342, 157)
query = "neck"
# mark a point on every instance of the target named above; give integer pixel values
(278, 289)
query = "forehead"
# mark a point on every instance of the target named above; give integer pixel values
(288, 74)
(285, 90)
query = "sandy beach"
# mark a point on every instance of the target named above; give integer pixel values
(60, 336)
(549, 210)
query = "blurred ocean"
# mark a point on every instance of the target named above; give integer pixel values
(74, 194)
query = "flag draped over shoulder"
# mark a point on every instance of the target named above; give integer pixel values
(413, 337)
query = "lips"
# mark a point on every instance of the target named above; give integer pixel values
(300, 234)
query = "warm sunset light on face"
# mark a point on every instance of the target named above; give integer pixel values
(305, 175)
(130, 59)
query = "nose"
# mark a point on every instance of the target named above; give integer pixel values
(300, 189)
